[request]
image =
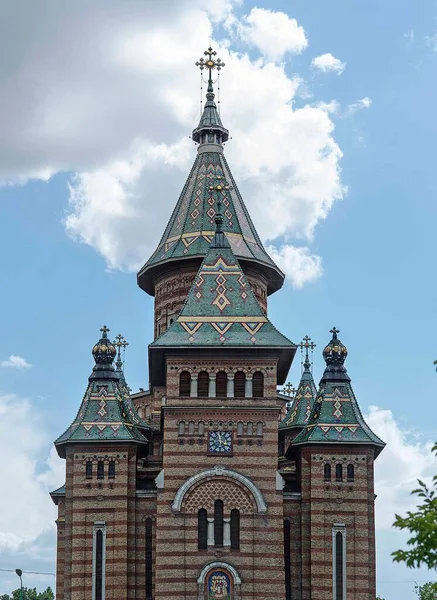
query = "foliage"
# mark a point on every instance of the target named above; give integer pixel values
(30, 594)
(428, 591)
(422, 524)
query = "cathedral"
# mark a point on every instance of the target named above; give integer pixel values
(212, 484)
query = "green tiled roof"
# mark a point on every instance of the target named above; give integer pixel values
(336, 416)
(107, 412)
(300, 410)
(191, 227)
(221, 309)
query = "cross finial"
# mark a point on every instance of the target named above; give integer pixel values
(289, 390)
(309, 346)
(334, 332)
(104, 331)
(221, 188)
(210, 63)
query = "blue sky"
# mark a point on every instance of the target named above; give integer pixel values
(82, 128)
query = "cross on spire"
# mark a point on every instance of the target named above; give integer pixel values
(210, 63)
(104, 331)
(289, 390)
(308, 345)
(334, 332)
(120, 343)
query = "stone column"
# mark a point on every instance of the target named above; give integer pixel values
(193, 389)
(227, 532)
(210, 541)
(211, 388)
(248, 388)
(230, 386)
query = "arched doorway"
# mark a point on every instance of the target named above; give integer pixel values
(219, 581)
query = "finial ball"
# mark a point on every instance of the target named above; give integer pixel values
(104, 351)
(335, 352)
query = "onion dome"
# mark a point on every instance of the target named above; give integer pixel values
(104, 353)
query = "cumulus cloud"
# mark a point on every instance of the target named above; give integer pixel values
(358, 105)
(274, 33)
(404, 460)
(297, 263)
(15, 362)
(327, 62)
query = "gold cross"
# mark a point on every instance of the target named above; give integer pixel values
(289, 390)
(210, 63)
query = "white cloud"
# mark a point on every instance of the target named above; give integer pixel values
(358, 105)
(274, 33)
(327, 62)
(15, 362)
(404, 460)
(297, 263)
(26, 510)
(432, 42)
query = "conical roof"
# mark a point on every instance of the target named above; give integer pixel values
(107, 412)
(336, 416)
(300, 410)
(191, 226)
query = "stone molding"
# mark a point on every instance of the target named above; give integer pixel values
(219, 471)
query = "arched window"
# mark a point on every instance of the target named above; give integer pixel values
(89, 469)
(218, 523)
(258, 385)
(201, 428)
(100, 469)
(111, 469)
(221, 384)
(235, 529)
(240, 384)
(181, 427)
(239, 428)
(339, 566)
(350, 473)
(203, 384)
(259, 428)
(250, 428)
(327, 472)
(202, 529)
(99, 565)
(191, 427)
(184, 384)
(339, 472)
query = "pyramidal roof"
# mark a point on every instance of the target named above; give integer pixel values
(336, 416)
(191, 226)
(107, 412)
(221, 309)
(300, 410)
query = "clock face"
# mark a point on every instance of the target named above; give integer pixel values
(220, 441)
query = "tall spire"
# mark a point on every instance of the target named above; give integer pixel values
(210, 130)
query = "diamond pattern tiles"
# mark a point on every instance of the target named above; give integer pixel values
(299, 413)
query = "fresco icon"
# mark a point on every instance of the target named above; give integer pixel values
(219, 586)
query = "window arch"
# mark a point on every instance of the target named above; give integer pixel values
(203, 384)
(258, 385)
(100, 469)
(181, 427)
(221, 384)
(184, 384)
(259, 428)
(89, 469)
(339, 472)
(235, 529)
(250, 428)
(327, 472)
(339, 564)
(240, 428)
(218, 523)
(350, 473)
(191, 427)
(202, 529)
(111, 469)
(240, 384)
(201, 428)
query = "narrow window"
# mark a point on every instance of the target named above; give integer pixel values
(327, 472)
(171, 321)
(181, 427)
(339, 562)
(339, 472)
(201, 428)
(221, 384)
(203, 384)
(258, 385)
(250, 428)
(235, 529)
(191, 427)
(218, 523)
(89, 469)
(111, 469)
(159, 329)
(240, 384)
(202, 529)
(350, 473)
(259, 428)
(100, 469)
(149, 559)
(287, 554)
(150, 448)
(239, 428)
(184, 384)
(99, 550)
